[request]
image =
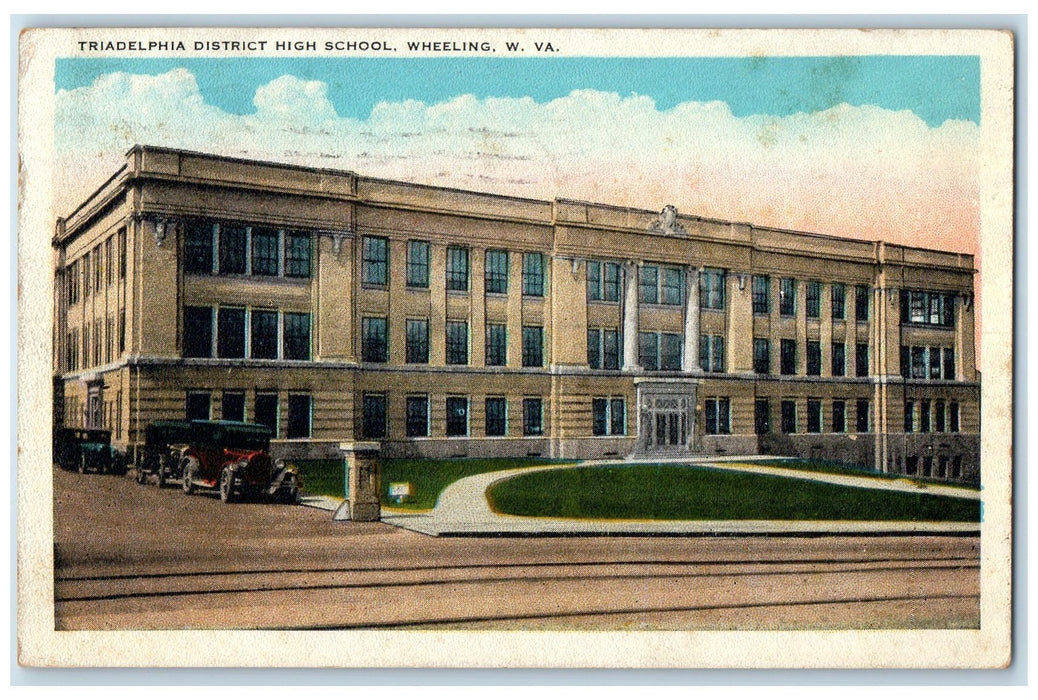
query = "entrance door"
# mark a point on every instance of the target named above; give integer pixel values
(94, 419)
(671, 429)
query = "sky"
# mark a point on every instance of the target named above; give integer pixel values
(873, 147)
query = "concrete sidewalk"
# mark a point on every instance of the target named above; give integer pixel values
(463, 510)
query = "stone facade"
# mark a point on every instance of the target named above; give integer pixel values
(445, 323)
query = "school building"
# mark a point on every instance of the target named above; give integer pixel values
(336, 307)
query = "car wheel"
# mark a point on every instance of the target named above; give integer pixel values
(227, 485)
(188, 483)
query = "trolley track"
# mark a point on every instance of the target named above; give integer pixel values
(157, 559)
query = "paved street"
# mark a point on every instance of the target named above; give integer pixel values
(136, 557)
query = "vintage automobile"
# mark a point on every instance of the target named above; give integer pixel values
(87, 450)
(164, 443)
(234, 458)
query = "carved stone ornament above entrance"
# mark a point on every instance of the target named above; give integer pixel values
(667, 222)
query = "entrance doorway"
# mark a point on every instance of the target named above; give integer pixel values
(666, 416)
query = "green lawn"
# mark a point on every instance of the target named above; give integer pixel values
(322, 477)
(841, 468)
(669, 492)
(429, 477)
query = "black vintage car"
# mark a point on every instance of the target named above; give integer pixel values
(87, 450)
(164, 440)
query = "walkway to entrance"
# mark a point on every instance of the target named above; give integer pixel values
(463, 510)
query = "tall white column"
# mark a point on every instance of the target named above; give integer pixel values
(690, 360)
(631, 315)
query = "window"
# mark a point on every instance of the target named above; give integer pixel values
(839, 416)
(814, 299)
(457, 416)
(417, 341)
(788, 356)
(617, 416)
(671, 286)
(934, 362)
(789, 416)
(670, 351)
(594, 348)
(838, 294)
(761, 294)
(924, 416)
(533, 274)
(417, 416)
(457, 342)
(610, 281)
(230, 333)
(648, 284)
(497, 416)
(232, 250)
(717, 416)
(122, 330)
(949, 363)
(861, 360)
(497, 272)
(267, 411)
(198, 405)
(373, 411)
(711, 353)
(264, 344)
(110, 260)
(762, 416)
(711, 288)
(374, 343)
(497, 345)
(938, 416)
(761, 355)
(927, 308)
(862, 418)
(297, 336)
(375, 262)
(861, 302)
(297, 254)
(198, 331)
(198, 247)
(814, 358)
(457, 269)
(532, 417)
(610, 349)
(122, 253)
(87, 262)
(298, 416)
(648, 351)
(909, 416)
(839, 359)
(265, 252)
(603, 348)
(788, 296)
(918, 363)
(603, 281)
(72, 280)
(814, 416)
(418, 264)
(533, 346)
(233, 406)
(953, 417)
(99, 267)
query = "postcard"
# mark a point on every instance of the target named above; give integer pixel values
(504, 347)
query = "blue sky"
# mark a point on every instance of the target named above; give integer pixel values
(935, 88)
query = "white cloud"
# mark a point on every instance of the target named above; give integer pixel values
(861, 171)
